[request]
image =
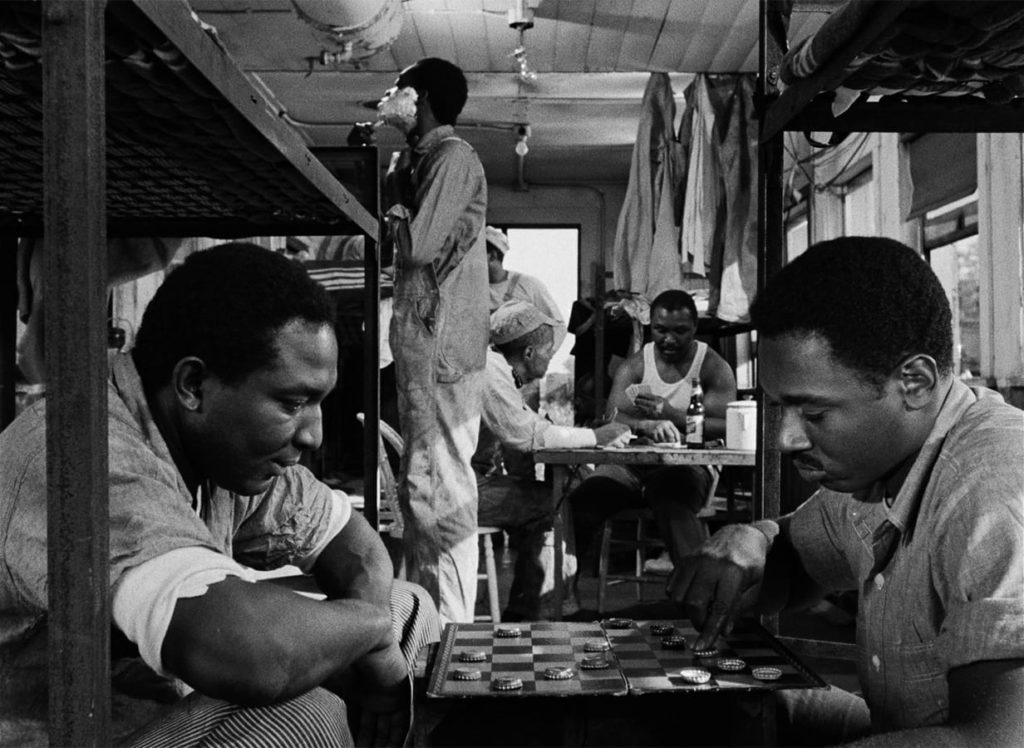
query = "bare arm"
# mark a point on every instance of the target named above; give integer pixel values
(356, 565)
(260, 643)
(631, 372)
(257, 644)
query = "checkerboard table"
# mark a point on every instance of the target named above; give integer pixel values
(639, 659)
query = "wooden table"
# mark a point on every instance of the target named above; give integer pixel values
(563, 459)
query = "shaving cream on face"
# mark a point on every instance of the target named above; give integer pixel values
(398, 108)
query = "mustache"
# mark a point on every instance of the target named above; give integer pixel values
(807, 463)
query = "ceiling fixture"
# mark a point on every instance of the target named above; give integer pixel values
(520, 18)
(353, 30)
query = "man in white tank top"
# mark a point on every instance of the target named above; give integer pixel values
(664, 370)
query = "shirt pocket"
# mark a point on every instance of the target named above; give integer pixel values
(924, 688)
(920, 663)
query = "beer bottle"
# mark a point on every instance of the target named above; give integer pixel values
(695, 417)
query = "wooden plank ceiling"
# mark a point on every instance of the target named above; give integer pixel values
(592, 59)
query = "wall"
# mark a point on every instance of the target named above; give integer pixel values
(1001, 231)
(594, 209)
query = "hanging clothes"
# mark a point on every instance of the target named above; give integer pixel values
(646, 257)
(738, 161)
(718, 235)
(703, 181)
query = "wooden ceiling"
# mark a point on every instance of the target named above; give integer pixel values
(592, 59)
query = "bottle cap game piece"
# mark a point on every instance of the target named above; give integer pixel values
(508, 632)
(473, 655)
(559, 673)
(766, 673)
(594, 662)
(696, 675)
(662, 629)
(596, 645)
(507, 684)
(466, 673)
(617, 623)
(731, 663)
(673, 642)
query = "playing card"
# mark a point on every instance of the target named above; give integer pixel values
(637, 389)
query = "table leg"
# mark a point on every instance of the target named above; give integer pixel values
(559, 475)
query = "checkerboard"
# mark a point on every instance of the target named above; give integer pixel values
(539, 646)
(638, 661)
(649, 666)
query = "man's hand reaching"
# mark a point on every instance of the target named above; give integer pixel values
(612, 435)
(721, 580)
(662, 432)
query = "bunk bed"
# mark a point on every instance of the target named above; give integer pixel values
(875, 66)
(901, 66)
(129, 118)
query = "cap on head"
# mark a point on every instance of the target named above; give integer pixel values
(497, 239)
(514, 319)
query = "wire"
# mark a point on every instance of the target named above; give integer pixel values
(817, 157)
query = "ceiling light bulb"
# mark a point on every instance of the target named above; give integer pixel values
(521, 148)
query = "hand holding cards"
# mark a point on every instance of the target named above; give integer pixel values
(637, 389)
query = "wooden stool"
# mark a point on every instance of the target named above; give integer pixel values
(491, 575)
(639, 542)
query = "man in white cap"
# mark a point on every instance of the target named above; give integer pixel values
(522, 340)
(507, 285)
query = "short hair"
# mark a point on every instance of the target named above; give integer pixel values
(443, 82)
(225, 305)
(538, 336)
(674, 300)
(874, 300)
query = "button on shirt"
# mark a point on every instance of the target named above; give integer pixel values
(949, 590)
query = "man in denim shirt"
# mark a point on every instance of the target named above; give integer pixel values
(438, 195)
(919, 510)
(208, 418)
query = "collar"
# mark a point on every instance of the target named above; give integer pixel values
(507, 366)
(430, 141)
(125, 380)
(903, 510)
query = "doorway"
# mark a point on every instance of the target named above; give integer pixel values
(551, 254)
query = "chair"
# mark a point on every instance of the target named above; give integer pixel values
(490, 574)
(391, 519)
(641, 540)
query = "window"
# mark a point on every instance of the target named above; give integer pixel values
(950, 240)
(858, 204)
(798, 225)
